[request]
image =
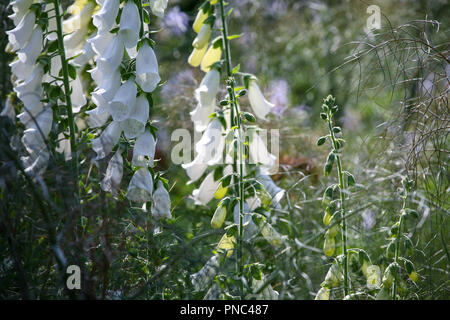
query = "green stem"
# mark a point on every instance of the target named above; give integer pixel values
(65, 71)
(397, 247)
(235, 115)
(342, 196)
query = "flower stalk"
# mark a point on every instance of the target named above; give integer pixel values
(65, 73)
(235, 121)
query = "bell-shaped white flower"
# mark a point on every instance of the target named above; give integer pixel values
(203, 36)
(272, 189)
(161, 202)
(140, 188)
(158, 7)
(33, 48)
(21, 5)
(134, 125)
(261, 107)
(104, 144)
(147, 75)
(212, 143)
(19, 36)
(209, 87)
(32, 83)
(20, 69)
(200, 116)
(36, 163)
(123, 101)
(77, 96)
(64, 146)
(51, 28)
(80, 19)
(105, 18)
(202, 278)
(32, 106)
(130, 24)
(144, 146)
(96, 118)
(86, 54)
(113, 175)
(196, 168)
(8, 111)
(259, 153)
(100, 42)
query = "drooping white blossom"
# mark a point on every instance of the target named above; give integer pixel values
(158, 7)
(161, 202)
(261, 107)
(140, 188)
(144, 147)
(104, 144)
(123, 101)
(113, 175)
(147, 75)
(130, 24)
(134, 125)
(20, 35)
(105, 17)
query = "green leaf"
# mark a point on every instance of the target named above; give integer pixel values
(350, 179)
(321, 140)
(235, 36)
(236, 69)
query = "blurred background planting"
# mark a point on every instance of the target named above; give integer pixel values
(391, 86)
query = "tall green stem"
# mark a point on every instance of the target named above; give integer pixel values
(235, 121)
(65, 71)
(342, 196)
(397, 247)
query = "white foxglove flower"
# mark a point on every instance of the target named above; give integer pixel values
(74, 42)
(200, 116)
(161, 202)
(21, 70)
(33, 48)
(275, 192)
(32, 83)
(134, 125)
(64, 146)
(20, 8)
(123, 101)
(80, 19)
(86, 54)
(36, 163)
(97, 119)
(113, 175)
(105, 18)
(112, 56)
(203, 36)
(32, 106)
(42, 122)
(100, 42)
(77, 96)
(209, 87)
(51, 28)
(104, 144)
(141, 186)
(147, 75)
(196, 168)
(19, 36)
(259, 154)
(144, 146)
(261, 107)
(158, 7)
(9, 111)
(202, 278)
(130, 24)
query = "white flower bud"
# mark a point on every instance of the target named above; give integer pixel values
(134, 125)
(158, 7)
(130, 23)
